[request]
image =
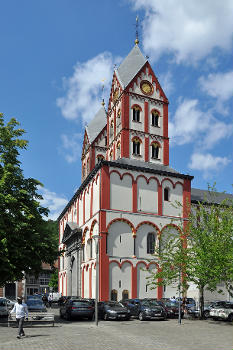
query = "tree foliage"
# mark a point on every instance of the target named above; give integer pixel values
(25, 237)
(54, 280)
(203, 252)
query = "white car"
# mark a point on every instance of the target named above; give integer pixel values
(223, 312)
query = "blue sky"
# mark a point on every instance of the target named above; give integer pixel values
(55, 54)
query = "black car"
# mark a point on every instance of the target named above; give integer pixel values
(72, 308)
(35, 305)
(132, 305)
(113, 310)
(150, 310)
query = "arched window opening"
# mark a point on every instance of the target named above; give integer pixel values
(118, 118)
(155, 118)
(136, 147)
(111, 128)
(155, 151)
(84, 170)
(111, 155)
(113, 295)
(166, 194)
(136, 114)
(150, 243)
(125, 294)
(99, 158)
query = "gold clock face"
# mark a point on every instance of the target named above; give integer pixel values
(146, 87)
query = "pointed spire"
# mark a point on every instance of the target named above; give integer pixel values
(136, 40)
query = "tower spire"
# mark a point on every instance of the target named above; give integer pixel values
(136, 40)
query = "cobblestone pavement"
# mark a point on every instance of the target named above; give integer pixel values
(115, 335)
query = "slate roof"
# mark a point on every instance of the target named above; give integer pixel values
(130, 66)
(151, 167)
(97, 124)
(198, 195)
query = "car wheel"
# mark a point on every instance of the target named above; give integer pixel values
(141, 317)
(206, 313)
(105, 317)
(230, 318)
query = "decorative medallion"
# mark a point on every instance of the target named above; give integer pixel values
(146, 87)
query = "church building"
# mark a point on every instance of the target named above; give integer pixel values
(128, 191)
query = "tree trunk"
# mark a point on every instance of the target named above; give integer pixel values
(201, 302)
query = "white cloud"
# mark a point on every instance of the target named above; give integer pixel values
(189, 30)
(53, 202)
(167, 83)
(84, 87)
(219, 85)
(192, 125)
(207, 163)
(71, 147)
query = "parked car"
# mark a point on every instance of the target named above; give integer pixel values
(171, 308)
(222, 312)
(113, 310)
(3, 307)
(76, 307)
(35, 305)
(132, 305)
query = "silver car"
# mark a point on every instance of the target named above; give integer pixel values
(3, 307)
(223, 312)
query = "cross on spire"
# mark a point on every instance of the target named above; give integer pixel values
(137, 40)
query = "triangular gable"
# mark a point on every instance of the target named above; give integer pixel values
(143, 69)
(71, 229)
(86, 143)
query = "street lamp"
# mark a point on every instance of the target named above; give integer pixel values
(97, 238)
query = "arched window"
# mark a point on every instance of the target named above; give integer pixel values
(118, 147)
(136, 146)
(166, 194)
(150, 243)
(99, 158)
(155, 150)
(111, 128)
(155, 118)
(84, 170)
(113, 295)
(136, 114)
(125, 294)
(111, 155)
(118, 118)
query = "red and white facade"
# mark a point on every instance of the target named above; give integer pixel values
(129, 196)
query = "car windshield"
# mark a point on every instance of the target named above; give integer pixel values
(114, 304)
(34, 302)
(81, 303)
(171, 304)
(150, 303)
(2, 302)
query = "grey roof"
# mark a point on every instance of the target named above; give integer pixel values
(73, 225)
(130, 66)
(96, 124)
(198, 195)
(148, 165)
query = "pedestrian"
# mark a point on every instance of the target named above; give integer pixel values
(50, 300)
(173, 299)
(21, 311)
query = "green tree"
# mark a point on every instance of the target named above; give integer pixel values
(25, 237)
(204, 250)
(54, 280)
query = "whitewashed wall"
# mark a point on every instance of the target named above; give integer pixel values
(120, 240)
(120, 192)
(175, 194)
(147, 195)
(120, 278)
(141, 241)
(143, 287)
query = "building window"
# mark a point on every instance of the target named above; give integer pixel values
(166, 194)
(118, 119)
(150, 243)
(155, 118)
(99, 158)
(136, 147)
(136, 114)
(84, 170)
(111, 155)
(155, 150)
(111, 128)
(83, 250)
(114, 295)
(125, 294)
(120, 284)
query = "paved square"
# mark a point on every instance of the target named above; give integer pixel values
(115, 335)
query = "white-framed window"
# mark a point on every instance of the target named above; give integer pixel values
(136, 113)
(136, 147)
(155, 150)
(155, 118)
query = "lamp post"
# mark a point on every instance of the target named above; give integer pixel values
(97, 238)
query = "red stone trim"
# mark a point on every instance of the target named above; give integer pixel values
(186, 198)
(147, 149)
(122, 220)
(137, 106)
(146, 120)
(134, 195)
(148, 223)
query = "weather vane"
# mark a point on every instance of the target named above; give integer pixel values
(136, 40)
(103, 103)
